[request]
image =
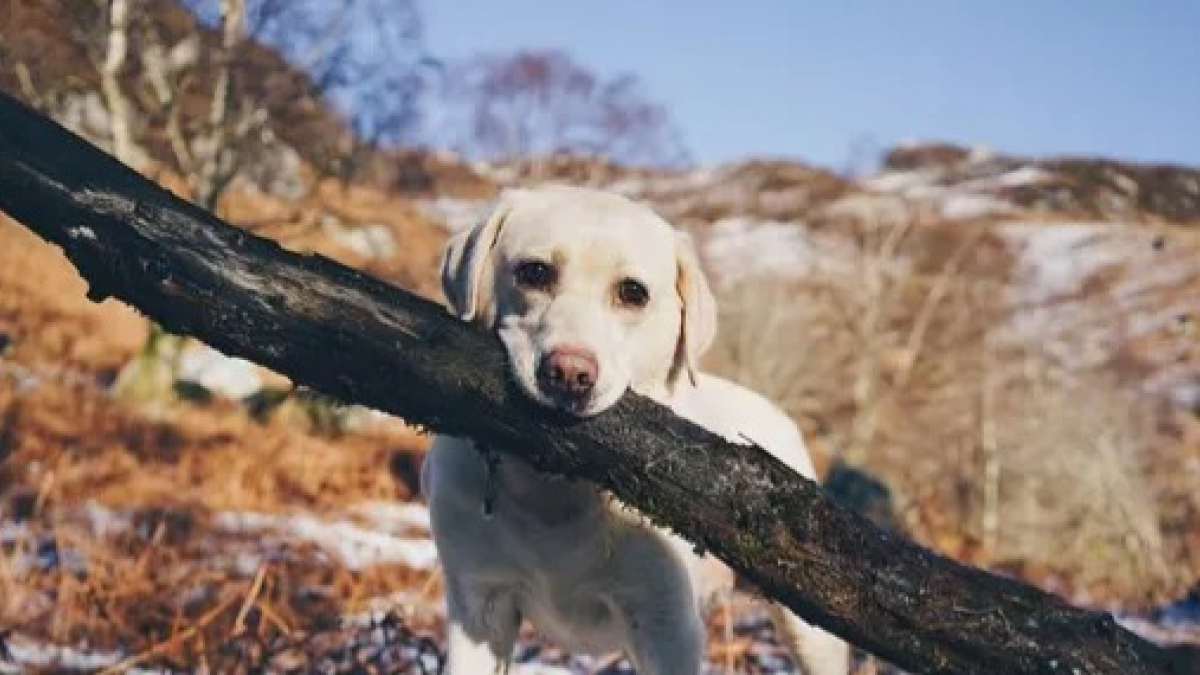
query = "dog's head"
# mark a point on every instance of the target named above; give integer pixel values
(591, 293)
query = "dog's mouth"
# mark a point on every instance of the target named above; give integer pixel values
(577, 406)
(566, 378)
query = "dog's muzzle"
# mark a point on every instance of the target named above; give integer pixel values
(568, 375)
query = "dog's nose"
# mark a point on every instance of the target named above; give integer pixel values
(569, 371)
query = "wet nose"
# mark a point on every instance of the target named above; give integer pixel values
(569, 371)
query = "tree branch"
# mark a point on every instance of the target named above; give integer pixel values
(357, 338)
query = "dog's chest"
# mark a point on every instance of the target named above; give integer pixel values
(559, 549)
(579, 617)
(557, 579)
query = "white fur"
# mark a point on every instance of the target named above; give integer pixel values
(587, 573)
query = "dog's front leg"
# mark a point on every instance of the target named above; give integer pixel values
(665, 642)
(482, 631)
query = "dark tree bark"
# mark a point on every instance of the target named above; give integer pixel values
(359, 339)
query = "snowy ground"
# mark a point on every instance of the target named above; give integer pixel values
(380, 533)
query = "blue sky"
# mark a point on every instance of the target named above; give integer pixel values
(817, 79)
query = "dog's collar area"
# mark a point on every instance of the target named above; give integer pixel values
(491, 459)
(491, 464)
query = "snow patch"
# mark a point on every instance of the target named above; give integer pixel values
(410, 601)
(368, 241)
(870, 207)
(393, 517)
(453, 214)
(12, 533)
(216, 372)
(540, 669)
(968, 206)
(684, 183)
(1055, 259)
(957, 200)
(32, 653)
(355, 547)
(33, 550)
(743, 247)
(104, 521)
(1024, 176)
(901, 181)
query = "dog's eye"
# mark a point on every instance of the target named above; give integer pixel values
(632, 293)
(535, 274)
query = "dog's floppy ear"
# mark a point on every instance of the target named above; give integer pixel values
(698, 325)
(465, 261)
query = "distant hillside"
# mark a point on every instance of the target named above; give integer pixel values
(1062, 229)
(1093, 187)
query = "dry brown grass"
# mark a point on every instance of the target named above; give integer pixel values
(157, 596)
(841, 347)
(83, 445)
(68, 430)
(168, 588)
(167, 585)
(1073, 492)
(890, 364)
(45, 316)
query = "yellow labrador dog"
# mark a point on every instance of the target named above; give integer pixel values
(592, 294)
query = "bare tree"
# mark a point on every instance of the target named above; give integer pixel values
(545, 103)
(238, 91)
(110, 80)
(220, 105)
(211, 152)
(894, 358)
(210, 158)
(366, 57)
